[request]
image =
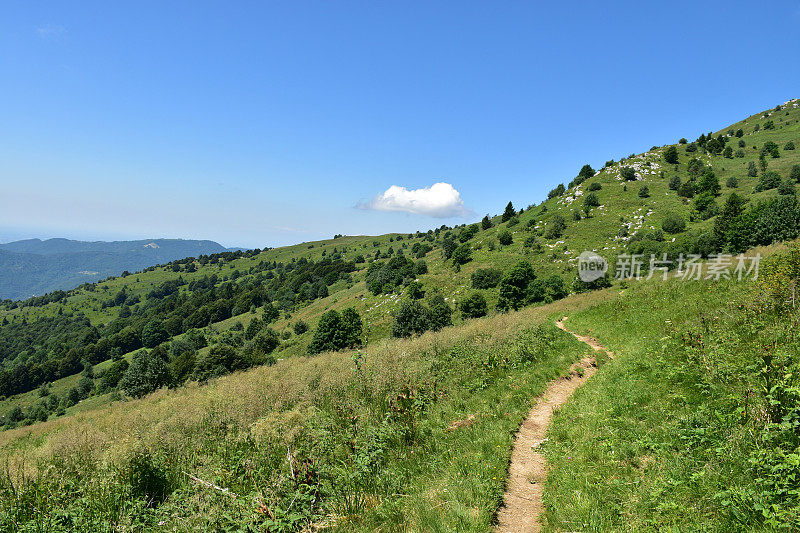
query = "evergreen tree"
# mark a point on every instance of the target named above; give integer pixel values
(509, 212)
(671, 155)
(486, 223)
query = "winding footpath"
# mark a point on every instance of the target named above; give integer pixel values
(522, 501)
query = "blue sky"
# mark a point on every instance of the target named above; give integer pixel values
(268, 123)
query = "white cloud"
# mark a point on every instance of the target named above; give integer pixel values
(440, 200)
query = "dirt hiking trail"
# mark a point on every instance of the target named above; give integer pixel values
(522, 501)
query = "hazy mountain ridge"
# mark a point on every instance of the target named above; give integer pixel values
(33, 267)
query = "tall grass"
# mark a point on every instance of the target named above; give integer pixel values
(408, 434)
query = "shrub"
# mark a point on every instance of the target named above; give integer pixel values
(300, 327)
(558, 191)
(671, 155)
(147, 372)
(786, 187)
(686, 190)
(440, 312)
(556, 227)
(337, 331)
(769, 180)
(462, 255)
(412, 318)
(504, 237)
(732, 182)
(486, 278)
(576, 216)
(739, 153)
(420, 267)
(789, 146)
(591, 200)
(675, 183)
(794, 174)
(673, 224)
(415, 291)
(709, 183)
(644, 192)
(515, 285)
(706, 205)
(595, 186)
(473, 306)
(154, 334)
(628, 174)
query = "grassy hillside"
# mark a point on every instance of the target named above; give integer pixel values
(623, 221)
(358, 439)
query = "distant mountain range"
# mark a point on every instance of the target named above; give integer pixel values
(32, 267)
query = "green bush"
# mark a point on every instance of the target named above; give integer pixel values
(473, 306)
(337, 331)
(147, 372)
(675, 183)
(673, 224)
(595, 186)
(644, 192)
(556, 227)
(671, 155)
(486, 278)
(504, 237)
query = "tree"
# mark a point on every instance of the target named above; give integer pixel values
(595, 186)
(675, 183)
(794, 174)
(420, 267)
(486, 223)
(673, 224)
(337, 331)
(253, 328)
(412, 318)
(769, 180)
(740, 133)
(558, 191)
(509, 212)
(486, 278)
(671, 155)
(628, 174)
(644, 192)
(504, 237)
(709, 183)
(462, 255)
(514, 286)
(222, 359)
(732, 182)
(786, 187)
(415, 291)
(591, 200)
(147, 372)
(440, 312)
(556, 227)
(154, 334)
(300, 327)
(728, 152)
(705, 205)
(686, 190)
(473, 306)
(789, 145)
(586, 172)
(751, 169)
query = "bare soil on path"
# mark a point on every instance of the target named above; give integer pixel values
(522, 501)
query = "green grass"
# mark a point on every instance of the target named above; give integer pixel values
(664, 438)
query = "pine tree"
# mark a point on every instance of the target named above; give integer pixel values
(509, 212)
